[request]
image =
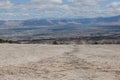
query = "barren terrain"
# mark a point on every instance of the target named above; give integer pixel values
(59, 62)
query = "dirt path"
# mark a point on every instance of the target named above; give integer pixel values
(81, 62)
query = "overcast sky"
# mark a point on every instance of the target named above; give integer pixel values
(27, 9)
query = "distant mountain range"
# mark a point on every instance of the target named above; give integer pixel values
(114, 20)
(56, 28)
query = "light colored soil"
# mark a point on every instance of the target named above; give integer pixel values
(59, 62)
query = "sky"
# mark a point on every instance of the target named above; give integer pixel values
(47, 9)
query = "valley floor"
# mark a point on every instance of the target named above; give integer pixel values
(59, 62)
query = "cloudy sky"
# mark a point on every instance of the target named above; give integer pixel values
(27, 9)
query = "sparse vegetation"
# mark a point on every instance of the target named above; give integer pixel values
(55, 42)
(80, 40)
(7, 41)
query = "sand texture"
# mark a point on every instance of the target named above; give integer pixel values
(59, 62)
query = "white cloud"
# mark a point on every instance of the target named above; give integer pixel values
(114, 5)
(112, 9)
(5, 4)
(59, 8)
(57, 1)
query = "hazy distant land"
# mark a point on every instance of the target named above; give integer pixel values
(102, 30)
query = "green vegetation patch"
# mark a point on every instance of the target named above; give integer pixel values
(7, 41)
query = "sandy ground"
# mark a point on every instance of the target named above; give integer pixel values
(59, 62)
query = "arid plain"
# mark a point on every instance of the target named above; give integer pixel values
(59, 62)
